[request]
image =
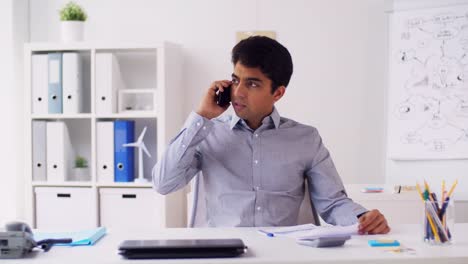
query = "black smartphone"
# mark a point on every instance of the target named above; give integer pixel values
(223, 98)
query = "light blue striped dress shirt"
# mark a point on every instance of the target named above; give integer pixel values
(255, 177)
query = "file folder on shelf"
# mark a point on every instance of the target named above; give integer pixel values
(105, 151)
(108, 81)
(72, 83)
(39, 150)
(55, 83)
(39, 83)
(59, 152)
(124, 132)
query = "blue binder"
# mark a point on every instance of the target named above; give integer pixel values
(124, 132)
(55, 83)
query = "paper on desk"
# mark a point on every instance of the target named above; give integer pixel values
(311, 231)
(80, 238)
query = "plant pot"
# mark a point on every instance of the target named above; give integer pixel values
(72, 31)
(81, 174)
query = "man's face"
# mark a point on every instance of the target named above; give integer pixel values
(251, 95)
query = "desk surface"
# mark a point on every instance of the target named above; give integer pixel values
(354, 191)
(264, 249)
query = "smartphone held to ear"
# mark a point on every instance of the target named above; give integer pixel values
(223, 98)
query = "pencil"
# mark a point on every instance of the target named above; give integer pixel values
(444, 224)
(453, 188)
(443, 192)
(419, 191)
(432, 225)
(427, 186)
(443, 203)
(418, 187)
(437, 223)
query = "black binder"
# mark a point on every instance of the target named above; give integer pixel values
(182, 248)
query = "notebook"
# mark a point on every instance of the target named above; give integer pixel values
(80, 238)
(182, 248)
(311, 231)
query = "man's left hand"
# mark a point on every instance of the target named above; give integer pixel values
(373, 222)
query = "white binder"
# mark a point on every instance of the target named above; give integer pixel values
(105, 151)
(39, 83)
(108, 81)
(72, 83)
(39, 151)
(59, 152)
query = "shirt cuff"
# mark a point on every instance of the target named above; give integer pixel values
(195, 120)
(197, 128)
(361, 214)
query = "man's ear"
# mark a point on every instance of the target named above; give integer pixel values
(279, 93)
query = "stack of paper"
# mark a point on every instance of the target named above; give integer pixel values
(80, 238)
(311, 231)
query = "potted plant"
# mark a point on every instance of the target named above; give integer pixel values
(72, 25)
(81, 170)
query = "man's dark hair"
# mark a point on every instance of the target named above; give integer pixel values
(269, 55)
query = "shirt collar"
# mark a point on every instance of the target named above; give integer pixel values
(274, 116)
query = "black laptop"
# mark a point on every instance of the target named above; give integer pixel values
(182, 248)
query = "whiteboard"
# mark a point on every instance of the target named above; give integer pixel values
(428, 84)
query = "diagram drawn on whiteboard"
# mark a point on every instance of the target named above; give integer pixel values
(428, 92)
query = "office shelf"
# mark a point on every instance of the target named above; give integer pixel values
(145, 68)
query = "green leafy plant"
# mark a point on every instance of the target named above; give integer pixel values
(81, 162)
(72, 12)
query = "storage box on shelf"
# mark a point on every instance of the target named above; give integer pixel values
(65, 208)
(126, 208)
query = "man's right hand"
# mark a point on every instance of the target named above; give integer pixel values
(208, 107)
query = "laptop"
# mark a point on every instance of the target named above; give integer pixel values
(182, 248)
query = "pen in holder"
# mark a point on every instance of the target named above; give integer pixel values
(439, 219)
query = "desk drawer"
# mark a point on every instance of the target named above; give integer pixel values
(131, 208)
(65, 209)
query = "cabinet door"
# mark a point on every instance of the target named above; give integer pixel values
(131, 208)
(65, 209)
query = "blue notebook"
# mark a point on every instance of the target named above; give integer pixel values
(80, 238)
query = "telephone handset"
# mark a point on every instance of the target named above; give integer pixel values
(18, 240)
(223, 98)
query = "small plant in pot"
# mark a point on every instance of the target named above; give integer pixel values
(81, 170)
(72, 25)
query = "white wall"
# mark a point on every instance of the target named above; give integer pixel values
(338, 50)
(8, 186)
(13, 30)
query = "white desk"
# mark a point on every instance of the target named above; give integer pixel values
(264, 249)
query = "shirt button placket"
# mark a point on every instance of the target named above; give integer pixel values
(257, 177)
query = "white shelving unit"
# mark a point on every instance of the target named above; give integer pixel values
(151, 68)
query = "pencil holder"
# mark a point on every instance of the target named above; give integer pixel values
(439, 220)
